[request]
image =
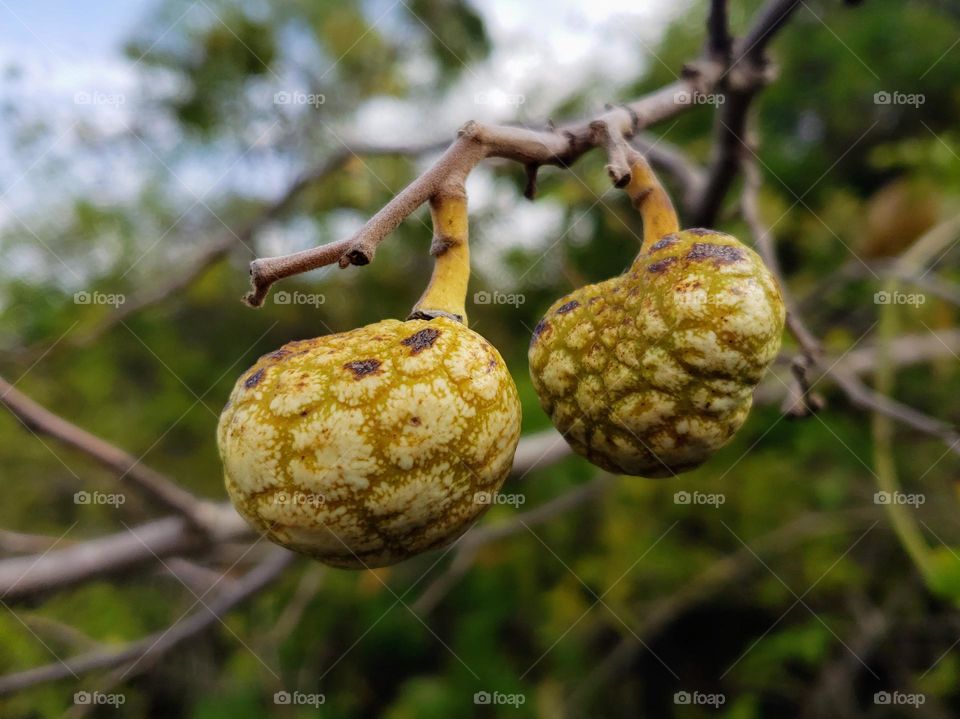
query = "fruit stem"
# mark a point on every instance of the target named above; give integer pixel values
(446, 294)
(652, 201)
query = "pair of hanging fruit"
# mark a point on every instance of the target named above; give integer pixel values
(364, 448)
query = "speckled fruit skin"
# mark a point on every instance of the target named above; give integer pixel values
(364, 448)
(651, 372)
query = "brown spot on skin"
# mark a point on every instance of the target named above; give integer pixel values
(567, 307)
(664, 242)
(254, 379)
(702, 232)
(361, 368)
(661, 265)
(721, 254)
(542, 326)
(415, 421)
(419, 341)
(284, 353)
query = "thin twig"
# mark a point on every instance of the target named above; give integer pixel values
(749, 72)
(559, 146)
(152, 483)
(191, 271)
(159, 643)
(858, 393)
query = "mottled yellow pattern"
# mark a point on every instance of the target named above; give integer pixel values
(651, 372)
(367, 447)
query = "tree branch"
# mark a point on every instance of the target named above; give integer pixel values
(159, 643)
(748, 73)
(153, 484)
(559, 146)
(860, 395)
(193, 270)
(475, 142)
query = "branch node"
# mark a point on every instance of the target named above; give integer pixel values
(471, 130)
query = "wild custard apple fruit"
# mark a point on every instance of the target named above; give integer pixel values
(651, 372)
(364, 448)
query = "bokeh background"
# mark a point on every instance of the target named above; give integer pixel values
(141, 138)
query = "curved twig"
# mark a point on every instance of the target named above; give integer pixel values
(160, 642)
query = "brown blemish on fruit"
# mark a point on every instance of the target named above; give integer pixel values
(567, 307)
(415, 421)
(722, 254)
(702, 232)
(254, 379)
(664, 242)
(542, 326)
(661, 265)
(419, 341)
(361, 368)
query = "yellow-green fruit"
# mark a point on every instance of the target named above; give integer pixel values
(364, 448)
(651, 372)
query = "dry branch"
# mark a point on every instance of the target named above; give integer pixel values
(157, 644)
(742, 74)
(859, 394)
(153, 484)
(193, 270)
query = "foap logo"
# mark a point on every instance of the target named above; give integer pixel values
(914, 299)
(304, 499)
(499, 98)
(299, 699)
(512, 500)
(98, 298)
(498, 298)
(499, 699)
(99, 699)
(299, 298)
(99, 498)
(699, 699)
(110, 99)
(902, 498)
(699, 498)
(312, 99)
(899, 699)
(695, 97)
(915, 99)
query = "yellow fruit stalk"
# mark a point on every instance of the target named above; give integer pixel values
(364, 448)
(651, 372)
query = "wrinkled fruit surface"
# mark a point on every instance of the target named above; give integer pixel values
(367, 447)
(651, 372)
